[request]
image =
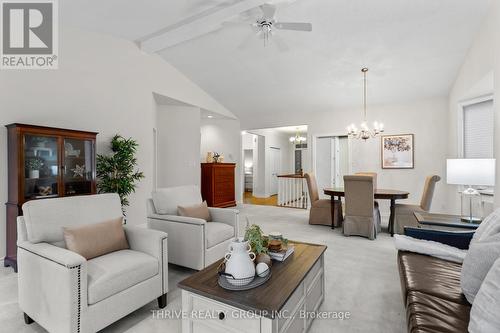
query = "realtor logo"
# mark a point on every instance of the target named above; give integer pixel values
(29, 34)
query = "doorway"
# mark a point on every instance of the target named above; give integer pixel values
(331, 160)
(271, 155)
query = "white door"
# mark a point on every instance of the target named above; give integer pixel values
(332, 161)
(275, 169)
(342, 165)
(324, 162)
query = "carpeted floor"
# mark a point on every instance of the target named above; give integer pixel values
(361, 277)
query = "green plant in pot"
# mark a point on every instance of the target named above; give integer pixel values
(117, 172)
(258, 242)
(34, 165)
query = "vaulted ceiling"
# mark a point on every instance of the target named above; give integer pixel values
(414, 49)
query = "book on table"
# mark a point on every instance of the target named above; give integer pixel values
(283, 254)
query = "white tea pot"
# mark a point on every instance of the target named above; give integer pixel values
(239, 263)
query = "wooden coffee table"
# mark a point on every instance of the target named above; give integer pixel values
(296, 287)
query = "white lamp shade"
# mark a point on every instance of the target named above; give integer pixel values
(469, 171)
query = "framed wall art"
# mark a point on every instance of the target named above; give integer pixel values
(397, 151)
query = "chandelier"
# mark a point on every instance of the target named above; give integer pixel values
(365, 132)
(297, 139)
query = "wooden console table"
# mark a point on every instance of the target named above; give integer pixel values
(297, 286)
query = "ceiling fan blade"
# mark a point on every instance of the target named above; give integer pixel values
(269, 11)
(293, 26)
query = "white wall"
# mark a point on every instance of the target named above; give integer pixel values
(496, 41)
(223, 136)
(478, 76)
(103, 84)
(426, 119)
(178, 145)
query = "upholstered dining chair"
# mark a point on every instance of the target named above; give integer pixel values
(404, 212)
(362, 217)
(374, 176)
(321, 209)
(371, 174)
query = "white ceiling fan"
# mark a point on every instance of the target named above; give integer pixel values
(265, 26)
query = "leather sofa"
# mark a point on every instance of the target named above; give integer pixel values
(432, 294)
(431, 287)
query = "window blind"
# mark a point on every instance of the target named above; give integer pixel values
(478, 130)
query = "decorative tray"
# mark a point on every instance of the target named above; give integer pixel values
(240, 284)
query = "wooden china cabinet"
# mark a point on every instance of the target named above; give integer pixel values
(43, 163)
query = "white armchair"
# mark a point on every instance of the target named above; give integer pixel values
(193, 242)
(64, 292)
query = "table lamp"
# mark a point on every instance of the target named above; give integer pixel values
(471, 172)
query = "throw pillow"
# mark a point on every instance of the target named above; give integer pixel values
(477, 263)
(199, 211)
(489, 227)
(94, 240)
(484, 313)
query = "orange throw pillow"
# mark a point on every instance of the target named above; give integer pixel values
(94, 240)
(199, 211)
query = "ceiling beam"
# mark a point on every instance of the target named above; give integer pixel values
(195, 26)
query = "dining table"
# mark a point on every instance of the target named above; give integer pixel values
(379, 194)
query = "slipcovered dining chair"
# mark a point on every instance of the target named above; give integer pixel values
(321, 209)
(371, 174)
(404, 216)
(362, 217)
(374, 176)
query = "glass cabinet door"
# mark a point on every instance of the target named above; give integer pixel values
(41, 166)
(78, 167)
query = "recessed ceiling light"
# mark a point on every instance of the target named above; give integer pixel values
(243, 132)
(210, 116)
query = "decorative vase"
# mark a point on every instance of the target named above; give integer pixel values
(210, 157)
(264, 258)
(239, 263)
(34, 174)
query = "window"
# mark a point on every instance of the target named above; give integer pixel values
(478, 122)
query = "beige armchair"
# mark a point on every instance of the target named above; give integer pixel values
(193, 242)
(64, 292)
(404, 212)
(362, 217)
(321, 209)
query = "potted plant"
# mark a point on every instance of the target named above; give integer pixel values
(34, 165)
(117, 172)
(258, 242)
